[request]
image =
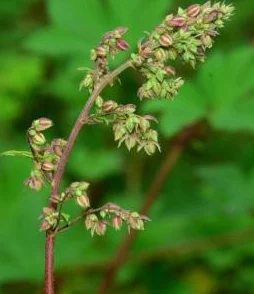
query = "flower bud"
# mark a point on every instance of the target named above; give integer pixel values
(144, 124)
(130, 142)
(42, 124)
(150, 148)
(193, 10)
(82, 186)
(46, 211)
(121, 30)
(166, 40)
(99, 102)
(47, 166)
(100, 228)
(117, 222)
(170, 70)
(160, 54)
(177, 21)
(109, 106)
(112, 207)
(83, 201)
(93, 55)
(119, 131)
(45, 226)
(211, 17)
(38, 139)
(34, 183)
(101, 51)
(91, 221)
(87, 82)
(122, 45)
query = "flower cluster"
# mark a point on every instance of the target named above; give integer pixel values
(77, 190)
(51, 218)
(111, 44)
(113, 215)
(45, 156)
(132, 129)
(185, 35)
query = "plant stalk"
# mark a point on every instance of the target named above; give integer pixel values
(50, 236)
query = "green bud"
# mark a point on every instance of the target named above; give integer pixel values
(131, 122)
(150, 148)
(93, 55)
(144, 124)
(99, 101)
(38, 139)
(130, 142)
(119, 131)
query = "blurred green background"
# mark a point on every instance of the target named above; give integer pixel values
(200, 238)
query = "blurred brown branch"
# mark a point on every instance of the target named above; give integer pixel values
(153, 193)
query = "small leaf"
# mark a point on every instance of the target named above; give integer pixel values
(17, 153)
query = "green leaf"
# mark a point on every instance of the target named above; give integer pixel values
(57, 41)
(17, 153)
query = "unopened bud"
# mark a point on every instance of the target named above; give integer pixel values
(83, 201)
(150, 148)
(42, 124)
(121, 30)
(101, 51)
(122, 45)
(161, 54)
(165, 40)
(211, 17)
(193, 10)
(45, 226)
(47, 166)
(38, 139)
(177, 21)
(93, 55)
(34, 183)
(130, 142)
(117, 222)
(170, 70)
(100, 228)
(109, 105)
(46, 211)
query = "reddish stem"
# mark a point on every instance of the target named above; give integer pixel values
(82, 120)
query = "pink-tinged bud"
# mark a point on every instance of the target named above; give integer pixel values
(122, 45)
(109, 105)
(166, 40)
(47, 166)
(38, 139)
(150, 117)
(211, 17)
(117, 222)
(170, 70)
(44, 226)
(42, 124)
(46, 211)
(177, 21)
(121, 30)
(83, 201)
(101, 51)
(193, 10)
(100, 228)
(34, 183)
(112, 207)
